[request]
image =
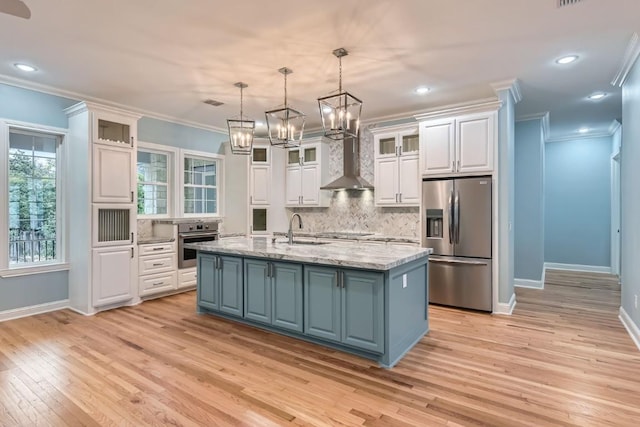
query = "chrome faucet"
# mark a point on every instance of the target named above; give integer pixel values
(290, 232)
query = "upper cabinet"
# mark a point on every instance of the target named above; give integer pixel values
(114, 129)
(114, 179)
(397, 179)
(458, 145)
(306, 171)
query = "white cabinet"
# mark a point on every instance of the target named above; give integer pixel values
(187, 277)
(157, 266)
(112, 274)
(113, 128)
(397, 179)
(260, 185)
(458, 145)
(114, 179)
(306, 171)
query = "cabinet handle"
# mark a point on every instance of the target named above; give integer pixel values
(132, 197)
(337, 279)
(132, 237)
(219, 263)
(156, 249)
(342, 279)
(250, 200)
(458, 169)
(453, 166)
(131, 252)
(272, 271)
(158, 264)
(131, 142)
(157, 283)
(302, 200)
(400, 197)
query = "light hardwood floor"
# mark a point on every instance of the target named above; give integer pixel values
(563, 358)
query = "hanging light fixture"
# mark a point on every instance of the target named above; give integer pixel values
(286, 125)
(340, 113)
(241, 130)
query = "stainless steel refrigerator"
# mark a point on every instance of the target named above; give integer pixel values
(456, 223)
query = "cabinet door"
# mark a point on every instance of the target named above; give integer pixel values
(386, 145)
(231, 288)
(475, 141)
(363, 310)
(386, 181)
(260, 184)
(208, 278)
(310, 185)
(409, 182)
(113, 273)
(322, 315)
(113, 177)
(286, 296)
(293, 185)
(257, 294)
(114, 129)
(437, 147)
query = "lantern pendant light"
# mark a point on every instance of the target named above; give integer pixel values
(340, 113)
(285, 126)
(241, 130)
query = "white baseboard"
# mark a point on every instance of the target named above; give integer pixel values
(33, 310)
(506, 309)
(577, 267)
(531, 284)
(631, 327)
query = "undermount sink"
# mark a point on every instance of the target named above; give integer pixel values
(308, 242)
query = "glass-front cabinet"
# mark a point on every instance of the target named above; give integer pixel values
(114, 129)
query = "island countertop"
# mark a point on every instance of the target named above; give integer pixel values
(345, 254)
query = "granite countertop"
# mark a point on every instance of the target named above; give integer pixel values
(345, 254)
(228, 235)
(185, 220)
(346, 235)
(154, 240)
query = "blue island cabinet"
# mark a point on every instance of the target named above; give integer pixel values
(345, 306)
(220, 283)
(273, 293)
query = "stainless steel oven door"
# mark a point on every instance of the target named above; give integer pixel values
(186, 256)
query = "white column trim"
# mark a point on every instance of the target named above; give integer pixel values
(628, 61)
(506, 308)
(632, 329)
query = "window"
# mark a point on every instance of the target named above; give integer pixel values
(201, 184)
(33, 198)
(153, 182)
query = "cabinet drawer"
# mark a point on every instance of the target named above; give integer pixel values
(155, 283)
(157, 263)
(158, 248)
(187, 277)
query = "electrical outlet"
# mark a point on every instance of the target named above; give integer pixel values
(404, 285)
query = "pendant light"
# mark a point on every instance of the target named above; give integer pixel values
(241, 130)
(285, 126)
(340, 113)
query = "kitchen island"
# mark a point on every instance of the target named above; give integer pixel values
(365, 299)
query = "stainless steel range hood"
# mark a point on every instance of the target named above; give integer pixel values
(350, 179)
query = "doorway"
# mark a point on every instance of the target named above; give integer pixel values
(615, 214)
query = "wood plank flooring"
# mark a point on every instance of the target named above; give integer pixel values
(562, 359)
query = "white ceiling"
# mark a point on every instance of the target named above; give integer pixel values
(167, 56)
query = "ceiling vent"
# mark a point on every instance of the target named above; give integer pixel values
(213, 102)
(563, 3)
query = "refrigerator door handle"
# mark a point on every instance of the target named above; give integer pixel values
(451, 218)
(456, 216)
(452, 261)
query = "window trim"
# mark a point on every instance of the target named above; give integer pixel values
(62, 240)
(172, 185)
(219, 158)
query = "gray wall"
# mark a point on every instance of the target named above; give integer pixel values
(630, 179)
(529, 197)
(578, 202)
(33, 107)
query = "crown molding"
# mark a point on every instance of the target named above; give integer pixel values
(39, 87)
(377, 128)
(628, 61)
(477, 106)
(614, 126)
(83, 106)
(512, 85)
(543, 117)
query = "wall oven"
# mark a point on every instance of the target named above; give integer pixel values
(192, 233)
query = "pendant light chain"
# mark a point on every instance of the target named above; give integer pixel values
(285, 90)
(340, 78)
(241, 117)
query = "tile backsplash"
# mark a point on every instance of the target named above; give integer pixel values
(356, 210)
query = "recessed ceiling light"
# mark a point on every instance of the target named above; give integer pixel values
(567, 59)
(259, 123)
(25, 67)
(597, 95)
(583, 130)
(422, 90)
